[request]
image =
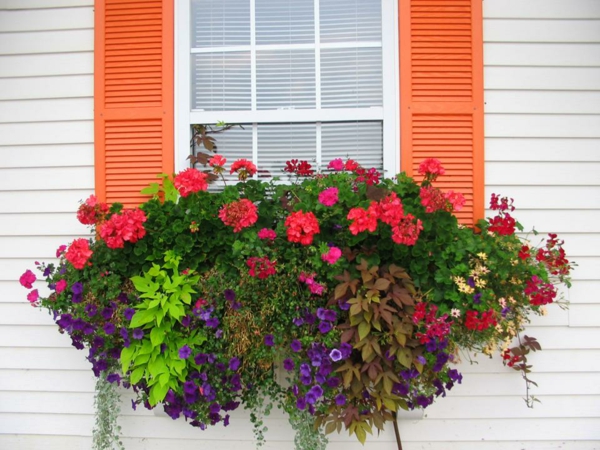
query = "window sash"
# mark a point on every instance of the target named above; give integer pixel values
(388, 113)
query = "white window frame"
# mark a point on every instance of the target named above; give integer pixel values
(389, 113)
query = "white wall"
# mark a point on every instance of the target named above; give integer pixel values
(542, 81)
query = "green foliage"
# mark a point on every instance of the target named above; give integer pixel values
(107, 401)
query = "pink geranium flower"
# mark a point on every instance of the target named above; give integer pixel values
(27, 279)
(336, 164)
(33, 297)
(61, 285)
(266, 233)
(332, 255)
(329, 196)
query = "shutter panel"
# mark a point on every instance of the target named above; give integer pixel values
(133, 83)
(441, 94)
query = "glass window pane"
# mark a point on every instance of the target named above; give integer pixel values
(361, 141)
(278, 143)
(350, 20)
(285, 79)
(285, 22)
(351, 78)
(218, 23)
(221, 81)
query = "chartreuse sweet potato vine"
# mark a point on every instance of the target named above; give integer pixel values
(361, 288)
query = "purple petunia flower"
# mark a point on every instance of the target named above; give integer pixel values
(124, 333)
(201, 358)
(128, 313)
(107, 313)
(296, 346)
(288, 364)
(114, 378)
(234, 364)
(189, 387)
(477, 298)
(325, 327)
(77, 298)
(213, 322)
(343, 305)
(335, 355)
(91, 310)
(269, 340)
(122, 297)
(219, 333)
(330, 315)
(77, 288)
(185, 321)
(215, 408)
(421, 359)
(321, 313)
(346, 350)
(138, 333)
(471, 282)
(334, 382)
(301, 403)
(229, 295)
(185, 352)
(298, 321)
(109, 328)
(340, 399)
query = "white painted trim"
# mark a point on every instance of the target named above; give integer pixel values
(391, 87)
(287, 115)
(325, 45)
(182, 82)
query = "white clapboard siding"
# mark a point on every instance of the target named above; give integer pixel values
(84, 443)
(40, 133)
(541, 149)
(547, 197)
(47, 110)
(548, 125)
(585, 315)
(34, 4)
(542, 78)
(46, 64)
(576, 30)
(42, 248)
(543, 173)
(36, 20)
(542, 102)
(541, 9)
(59, 178)
(47, 155)
(57, 224)
(24, 380)
(43, 201)
(585, 291)
(67, 86)
(19, 43)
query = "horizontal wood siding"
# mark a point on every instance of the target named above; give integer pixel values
(542, 81)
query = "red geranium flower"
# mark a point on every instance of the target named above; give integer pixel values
(302, 227)
(190, 181)
(239, 215)
(79, 253)
(125, 227)
(244, 168)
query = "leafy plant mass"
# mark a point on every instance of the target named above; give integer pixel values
(362, 289)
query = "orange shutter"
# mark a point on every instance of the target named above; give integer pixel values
(133, 82)
(441, 94)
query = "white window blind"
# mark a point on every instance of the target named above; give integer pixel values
(304, 77)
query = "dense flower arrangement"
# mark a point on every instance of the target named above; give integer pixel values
(361, 288)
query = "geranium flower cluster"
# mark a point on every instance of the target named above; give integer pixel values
(302, 227)
(190, 181)
(91, 212)
(239, 214)
(405, 227)
(553, 256)
(261, 267)
(298, 168)
(128, 226)
(313, 286)
(243, 168)
(434, 199)
(503, 224)
(435, 328)
(539, 292)
(473, 321)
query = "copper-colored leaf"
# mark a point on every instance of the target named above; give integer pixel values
(376, 193)
(382, 284)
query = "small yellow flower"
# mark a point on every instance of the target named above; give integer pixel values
(480, 283)
(482, 255)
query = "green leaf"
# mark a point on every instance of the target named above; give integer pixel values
(158, 393)
(164, 378)
(151, 190)
(142, 317)
(363, 330)
(157, 366)
(126, 355)
(361, 434)
(137, 374)
(405, 357)
(157, 336)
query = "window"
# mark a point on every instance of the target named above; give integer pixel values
(307, 79)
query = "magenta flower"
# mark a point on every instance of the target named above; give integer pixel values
(33, 296)
(329, 196)
(332, 255)
(27, 279)
(61, 285)
(336, 164)
(266, 233)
